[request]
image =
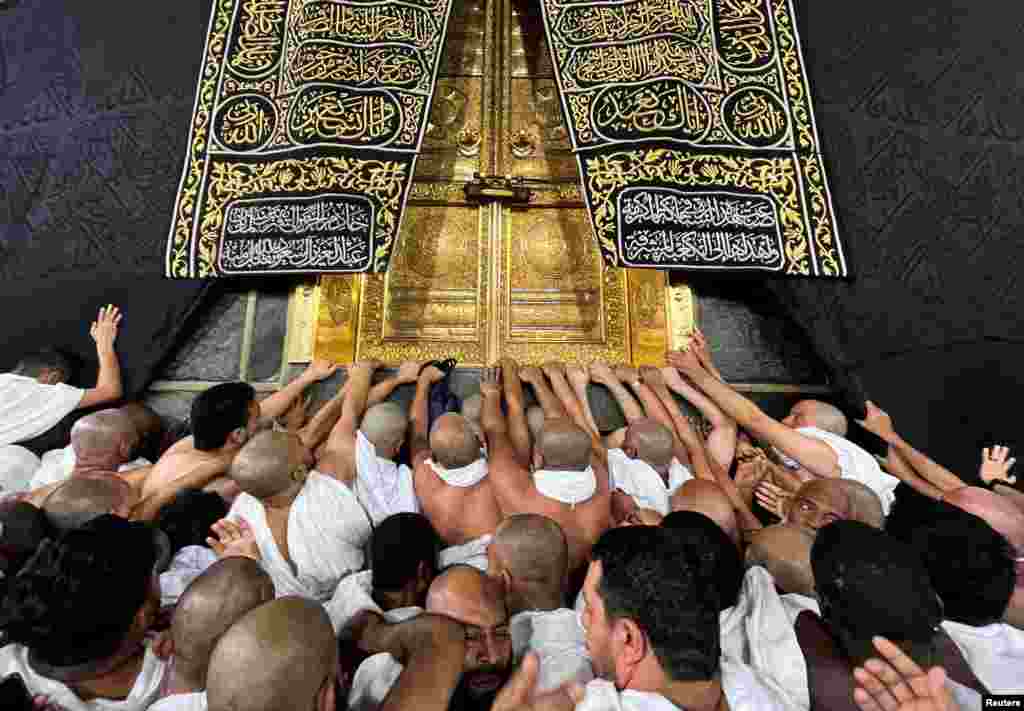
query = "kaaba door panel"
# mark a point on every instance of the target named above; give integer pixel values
(479, 281)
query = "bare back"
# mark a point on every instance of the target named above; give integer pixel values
(183, 462)
(459, 515)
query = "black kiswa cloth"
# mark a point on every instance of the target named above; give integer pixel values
(304, 136)
(694, 134)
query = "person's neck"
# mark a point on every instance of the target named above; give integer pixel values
(112, 678)
(281, 501)
(695, 695)
(94, 466)
(184, 679)
(534, 601)
(394, 599)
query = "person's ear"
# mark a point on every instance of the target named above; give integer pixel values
(632, 642)
(238, 436)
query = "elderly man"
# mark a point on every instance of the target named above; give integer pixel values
(812, 438)
(469, 597)
(37, 407)
(309, 526)
(530, 558)
(452, 479)
(209, 606)
(644, 586)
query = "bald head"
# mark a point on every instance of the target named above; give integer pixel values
(107, 436)
(650, 441)
(865, 506)
(785, 551)
(707, 498)
(464, 593)
(815, 413)
(83, 498)
(384, 425)
(262, 468)
(472, 407)
(214, 601)
(818, 503)
(997, 511)
(281, 655)
(533, 552)
(563, 445)
(453, 442)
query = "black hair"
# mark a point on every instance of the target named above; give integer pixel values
(187, 518)
(970, 564)
(22, 528)
(218, 412)
(719, 559)
(649, 578)
(399, 544)
(869, 583)
(33, 364)
(75, 601)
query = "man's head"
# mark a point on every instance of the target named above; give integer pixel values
(271, 464)
(280, 655)
(225, 592)
(469, 596)
(530, 556)
(225, 414)
(865, 506)
(384, 425)
(625, 511)
(817, 503)
(814, 413)
(649, 441)
(562, 446)
(454, 442)
(870, 584)
(706, 497)
(149, 428)
(970, 564)
(47, 366)
(83, 498)
(104, 439)
(87, 598)
(404, 550)
(785, 552)
(719, 559)
(187, 518)
(997, 511)
(650, 617)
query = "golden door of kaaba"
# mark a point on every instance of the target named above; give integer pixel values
(481, 279)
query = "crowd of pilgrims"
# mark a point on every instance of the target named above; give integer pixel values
(501, 552)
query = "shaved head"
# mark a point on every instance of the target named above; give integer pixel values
(453, 442)
(472, 406)
(818, 503)
(384, 425)
(262, 468)
(865, 506)
(83, 498)
(707, 497)
(997, 511)
(815, 413)
(533, 551)
(281, 655)
(214, 601)
(563, 445)
(650, 441)
(107, 435)
(785, 551)
(535, 420)
(462, 592)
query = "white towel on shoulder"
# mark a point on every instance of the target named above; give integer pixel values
(569, 487)
(29, 408)
(462, 477)
(472, 553)
(639, 479)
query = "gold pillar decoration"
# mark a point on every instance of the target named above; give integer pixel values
(337, 317)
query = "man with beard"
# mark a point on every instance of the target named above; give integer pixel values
(469, 597)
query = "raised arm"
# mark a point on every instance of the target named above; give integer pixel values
(197, 478)
(407, 373)
(518, 427)
(108, 381)
(602, 373)
(655, 406)
(510, 479)
(278, 403)
(549, 402)
(314, 432)
(879, 423)
(678, 425)
(564, 393)
(722, 438)
(339, 457)
(579, 379)
(814, 455)
(419, 438)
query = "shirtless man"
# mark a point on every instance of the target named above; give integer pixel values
(567, 484)
(451, 474)
(223, 419)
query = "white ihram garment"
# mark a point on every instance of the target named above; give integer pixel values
(29, 408)
(59, 463)
(559, 642)
(383, 487)
(568, 487)
(639, 479)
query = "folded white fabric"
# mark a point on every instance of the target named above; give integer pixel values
(569, 487)
(995, 653)
(187, 565)
(462, 477)
(17, 467)
(639, 479)
(29, 408)
(472, 553)
(559, 641)
(383, 487)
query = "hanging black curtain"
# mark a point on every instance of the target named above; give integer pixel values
(95, 101)
(921, 113)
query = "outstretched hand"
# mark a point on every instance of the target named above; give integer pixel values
(684, 361)
(234, 539)
(772, 497)
(104, 328)
(877, 421)
(409, 371)
(995, 466)
(320, 370)
(490, 382)
(893, 681)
